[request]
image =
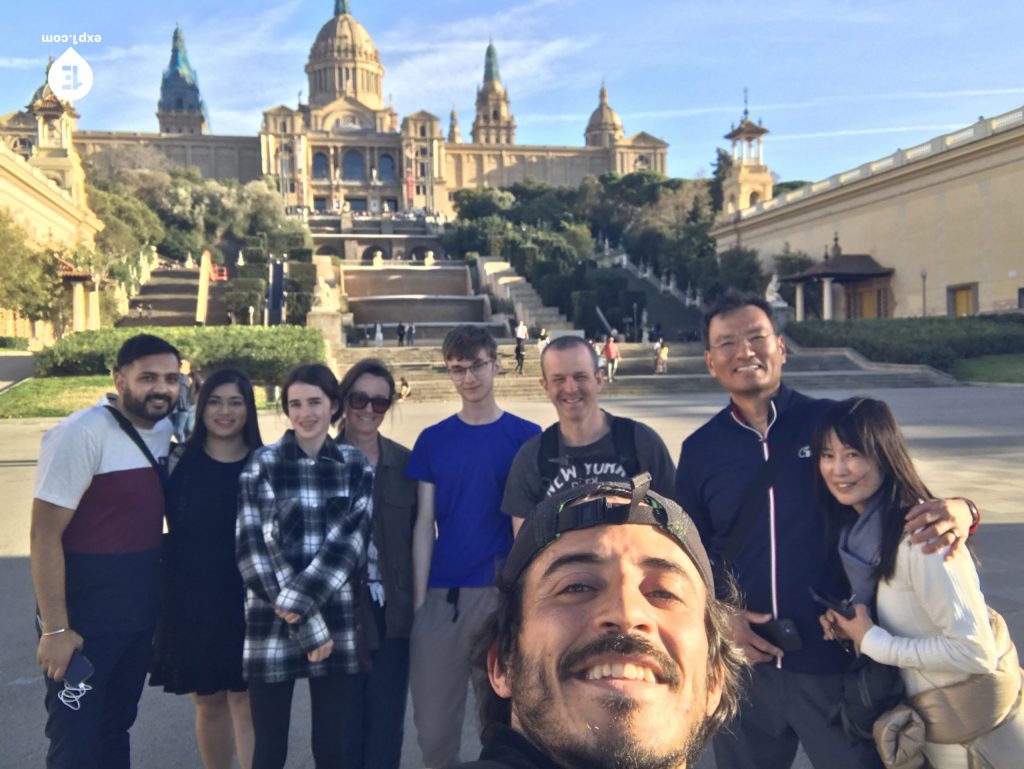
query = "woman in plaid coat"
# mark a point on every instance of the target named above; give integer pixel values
(303, 523)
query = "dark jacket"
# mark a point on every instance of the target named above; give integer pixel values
(394, 513)
(505, 748)
(717, 465)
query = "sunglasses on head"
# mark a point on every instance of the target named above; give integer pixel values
(358, 401)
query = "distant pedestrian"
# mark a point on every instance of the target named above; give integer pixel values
(612, 355)
(520, 355)
(149, 311)
(542, 339)
(404, 389)
(400, 333)
(522, 332)
(661, 358)
(378, 337)
(411, 334)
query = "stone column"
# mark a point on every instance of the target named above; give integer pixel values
(799, 302)
(826, 298)
(94, 307)
(78, 307)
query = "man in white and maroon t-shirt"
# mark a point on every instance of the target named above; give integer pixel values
(97, 519)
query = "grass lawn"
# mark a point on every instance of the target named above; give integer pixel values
(53, 397)
(59, 396)
(991, 368)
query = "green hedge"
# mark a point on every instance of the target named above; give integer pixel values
(297, 307)
(301, 276)
(13, 343)
(251, 271)
(938, 342)
(584, 311)
(265, 354)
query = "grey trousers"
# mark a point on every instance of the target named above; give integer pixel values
(782, 710)
(440, 668)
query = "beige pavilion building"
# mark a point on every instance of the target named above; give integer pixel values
(935, 229)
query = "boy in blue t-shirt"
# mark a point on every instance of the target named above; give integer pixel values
(461, 464)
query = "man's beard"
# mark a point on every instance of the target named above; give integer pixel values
(143, 408)
(615, 747)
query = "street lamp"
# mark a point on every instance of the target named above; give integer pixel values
(924, 294)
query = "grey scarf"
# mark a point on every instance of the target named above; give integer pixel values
(860, 549)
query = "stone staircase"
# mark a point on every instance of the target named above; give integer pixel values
(172, 294)
(831, 369)
(503, 281)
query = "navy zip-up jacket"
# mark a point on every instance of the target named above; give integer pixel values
(786, 550)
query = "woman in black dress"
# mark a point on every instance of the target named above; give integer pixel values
(202, 627)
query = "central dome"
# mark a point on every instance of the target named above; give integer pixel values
(343, 61)
(604, 126)
(343, 38)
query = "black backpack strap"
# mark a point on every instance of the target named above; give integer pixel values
(547, 456)
(624, 438)
(753, 500)
(131, 432)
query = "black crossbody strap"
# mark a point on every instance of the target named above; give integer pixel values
(753, 500)
(131, 432)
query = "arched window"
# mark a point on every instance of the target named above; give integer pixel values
(494, 115)
(352, 166)
(321, 168)
(423, 130)
(754, 198)
(179, 104)
(386, 169)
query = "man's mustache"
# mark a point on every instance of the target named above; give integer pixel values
(628, 645)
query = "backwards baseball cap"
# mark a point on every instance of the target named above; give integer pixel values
(583, 507)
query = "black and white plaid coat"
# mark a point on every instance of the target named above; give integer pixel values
(303, 526)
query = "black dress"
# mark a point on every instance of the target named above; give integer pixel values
(199, 638)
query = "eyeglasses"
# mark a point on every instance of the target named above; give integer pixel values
(729, 345)
(358, 401)
(476, 369)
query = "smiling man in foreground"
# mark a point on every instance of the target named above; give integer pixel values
(608, 648)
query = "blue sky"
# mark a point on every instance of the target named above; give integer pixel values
(836, 83)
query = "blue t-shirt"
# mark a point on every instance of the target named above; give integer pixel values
(468, 465)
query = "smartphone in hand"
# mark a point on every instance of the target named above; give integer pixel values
(843, 608)
(79, 670)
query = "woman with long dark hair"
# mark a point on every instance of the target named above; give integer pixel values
(303, 526)
(202, 626)
(924, 614)
(376, 708)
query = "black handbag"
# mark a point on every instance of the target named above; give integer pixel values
(870, 688)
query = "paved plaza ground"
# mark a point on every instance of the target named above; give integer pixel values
(967, 440)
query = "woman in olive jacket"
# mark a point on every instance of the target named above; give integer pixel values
(375, 708)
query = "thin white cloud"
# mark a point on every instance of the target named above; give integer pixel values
(940, 128)
(736, 109)
(21, 62)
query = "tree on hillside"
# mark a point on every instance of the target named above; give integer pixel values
(198, 213)
(579, 239)
(781, 188)
(538, 203)
(479, 203)
(129, 226)
(29, 277)
(723, 164)
(740, 268)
